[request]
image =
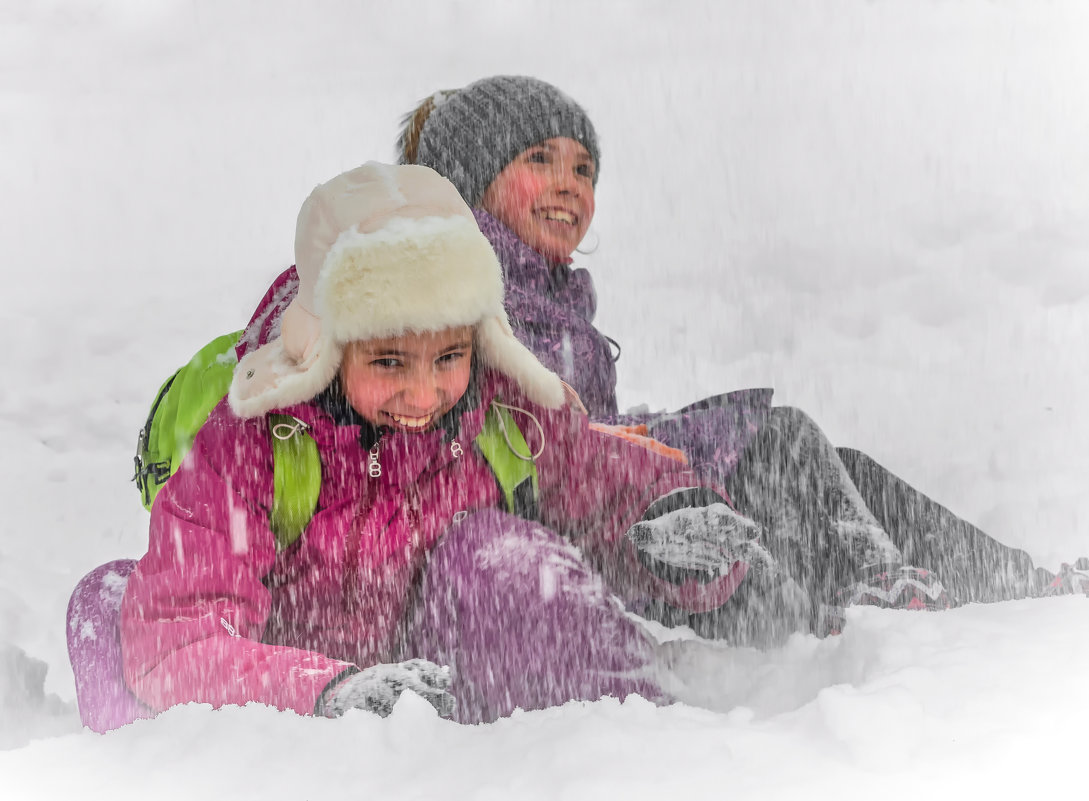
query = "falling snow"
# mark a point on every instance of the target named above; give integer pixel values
(875, 208)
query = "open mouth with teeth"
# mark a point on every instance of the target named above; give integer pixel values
(560, 215)
(411, 423)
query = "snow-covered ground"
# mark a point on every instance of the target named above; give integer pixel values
(982, 702)
(879, 208)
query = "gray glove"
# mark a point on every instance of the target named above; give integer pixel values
(378, 687)
(696, 542)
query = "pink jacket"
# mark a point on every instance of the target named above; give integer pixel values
(214, 614)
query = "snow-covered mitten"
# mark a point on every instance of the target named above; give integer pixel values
(378, 687)
(691, 534)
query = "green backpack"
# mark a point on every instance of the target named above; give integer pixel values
(181, 406)
(186, 399)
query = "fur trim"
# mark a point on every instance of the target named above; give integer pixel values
(422, 274)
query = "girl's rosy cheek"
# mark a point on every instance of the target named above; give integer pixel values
(358, 384)
(524, 189)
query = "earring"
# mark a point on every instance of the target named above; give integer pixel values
(593, 249)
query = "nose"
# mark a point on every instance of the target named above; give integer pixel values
(565, 179)
(421, 392)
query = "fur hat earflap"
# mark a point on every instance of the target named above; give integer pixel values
(381, 250)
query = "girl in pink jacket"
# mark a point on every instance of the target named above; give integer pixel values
(410, 573)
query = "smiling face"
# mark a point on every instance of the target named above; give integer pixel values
(546, 196)
(408, 382)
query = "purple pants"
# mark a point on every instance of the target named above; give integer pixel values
(523, 621)
(94, 648)
(510, 606)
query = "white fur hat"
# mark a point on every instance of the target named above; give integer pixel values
(381, 250)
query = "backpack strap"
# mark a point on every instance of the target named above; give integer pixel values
(504, 447)
(296, 479)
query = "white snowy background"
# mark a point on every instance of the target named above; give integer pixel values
(879, 208)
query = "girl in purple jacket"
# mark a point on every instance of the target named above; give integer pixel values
(409, 574)
(525, 157)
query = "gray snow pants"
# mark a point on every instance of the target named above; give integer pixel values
(828, 514)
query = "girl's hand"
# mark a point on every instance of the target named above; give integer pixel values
(378, 687)
(698, 543)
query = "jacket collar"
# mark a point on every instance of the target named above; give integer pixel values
(528, 276)
(503, 237)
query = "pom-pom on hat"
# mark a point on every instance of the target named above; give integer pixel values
(382, 250)
(469, 135)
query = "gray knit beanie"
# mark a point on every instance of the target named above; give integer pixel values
(469, 135)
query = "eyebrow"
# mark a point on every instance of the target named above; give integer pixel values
(378, 352)
(584, 155)
(459, 346)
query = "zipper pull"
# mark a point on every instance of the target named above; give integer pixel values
(374, 468)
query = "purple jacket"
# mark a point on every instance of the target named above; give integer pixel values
(551, 309)
(214, 614)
